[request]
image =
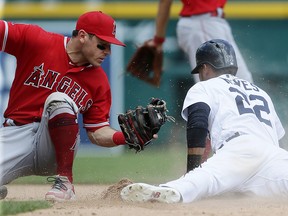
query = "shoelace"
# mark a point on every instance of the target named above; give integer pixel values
(58, 183)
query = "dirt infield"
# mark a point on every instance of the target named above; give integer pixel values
(89, 202)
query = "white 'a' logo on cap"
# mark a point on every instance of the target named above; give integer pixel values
(114, 28)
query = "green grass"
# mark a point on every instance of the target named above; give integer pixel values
(154, 166)
(150, 166)
(15, 207)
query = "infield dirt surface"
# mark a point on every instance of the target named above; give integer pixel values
(89, 202)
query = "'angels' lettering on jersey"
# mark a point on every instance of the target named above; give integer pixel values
(39, 78)
(34, 78)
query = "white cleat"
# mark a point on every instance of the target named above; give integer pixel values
(62, 189)
(141, 192)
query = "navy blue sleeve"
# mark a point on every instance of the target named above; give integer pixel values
(197, 125)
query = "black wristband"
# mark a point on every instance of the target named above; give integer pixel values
(193, 161)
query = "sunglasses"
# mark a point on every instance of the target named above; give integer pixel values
(103, 47)
(100, 46)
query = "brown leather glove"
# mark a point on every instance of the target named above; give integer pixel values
(146, 64)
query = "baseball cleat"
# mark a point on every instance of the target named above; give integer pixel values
(140, 192)
(62, 189)
(3, 192)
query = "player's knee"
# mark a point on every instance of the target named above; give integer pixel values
(58, 103)
(59, 107)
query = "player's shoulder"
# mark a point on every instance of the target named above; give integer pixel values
(96, 73)
(231, 82)
(39, 30)
(23, 26)
(210, 83)
(101, 77)
(223, 82)
(36, 31)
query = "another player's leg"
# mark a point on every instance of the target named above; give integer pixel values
(141, 192)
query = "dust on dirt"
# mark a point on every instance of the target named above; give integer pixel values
(113, 191)
(96, 200)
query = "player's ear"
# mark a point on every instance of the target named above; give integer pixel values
(207, 71)
(81, 35)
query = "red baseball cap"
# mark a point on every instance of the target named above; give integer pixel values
(99, 24)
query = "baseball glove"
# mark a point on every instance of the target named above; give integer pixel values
(146, 64)
(139, 125)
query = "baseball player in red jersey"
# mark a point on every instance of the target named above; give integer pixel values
(198, 22)
(244, 129)
(56, 78)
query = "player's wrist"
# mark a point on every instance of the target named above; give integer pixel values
(158, 40)
(118, 138)
(193, 161)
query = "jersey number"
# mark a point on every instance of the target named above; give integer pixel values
(242, 100)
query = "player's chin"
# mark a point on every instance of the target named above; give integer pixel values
(96, 62)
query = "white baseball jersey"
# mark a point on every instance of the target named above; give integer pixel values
(236, 106)
(245, 130)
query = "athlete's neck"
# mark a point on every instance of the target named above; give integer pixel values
(74, 54)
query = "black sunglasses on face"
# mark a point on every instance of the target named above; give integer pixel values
(103, 47)
(100, 46)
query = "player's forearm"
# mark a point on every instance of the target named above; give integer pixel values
(194, 158)
(162, 17)
(106, 137)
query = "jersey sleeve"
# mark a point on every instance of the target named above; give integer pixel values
(196, 94)
(18, 39)
(98, 114)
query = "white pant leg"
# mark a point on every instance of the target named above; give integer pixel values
(195, 30)
(231, 166)
(28, 149)
(17, 151)
(272, 179)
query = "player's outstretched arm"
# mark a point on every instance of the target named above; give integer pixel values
(197, 132)
(103, 137)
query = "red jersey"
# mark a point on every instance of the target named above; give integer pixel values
(194, 7)
(44, 67)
